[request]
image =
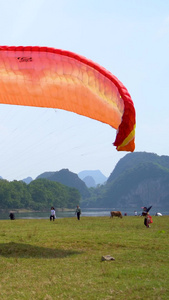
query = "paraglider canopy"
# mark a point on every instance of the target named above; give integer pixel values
(48, 77)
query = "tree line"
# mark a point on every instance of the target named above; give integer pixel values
(39, 195)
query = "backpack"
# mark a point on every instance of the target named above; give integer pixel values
(149, 219)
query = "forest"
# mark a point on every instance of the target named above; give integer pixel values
(39, 195)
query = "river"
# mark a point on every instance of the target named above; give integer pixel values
(69, 214)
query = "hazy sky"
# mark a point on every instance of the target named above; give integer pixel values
(130, 38)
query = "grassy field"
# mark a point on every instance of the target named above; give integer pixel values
(47, 260)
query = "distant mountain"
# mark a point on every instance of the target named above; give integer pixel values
(89, 181)
(98, 177)
(139, 179)
(27, 180)
(67, 178)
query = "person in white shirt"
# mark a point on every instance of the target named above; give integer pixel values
(52, 214)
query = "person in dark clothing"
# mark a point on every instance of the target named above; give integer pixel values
(145, 221)
(148, 218)
(78, 212)
(12, 216)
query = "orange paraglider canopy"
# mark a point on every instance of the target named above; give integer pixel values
(48, 77)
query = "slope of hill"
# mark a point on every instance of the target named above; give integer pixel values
(131, 160)
(139, 179)
(145, 184)
(67, 178)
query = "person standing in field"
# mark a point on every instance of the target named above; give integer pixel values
(12, 216)
(78, 212)
(52, 214)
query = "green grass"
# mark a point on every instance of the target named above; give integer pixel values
(47, 260)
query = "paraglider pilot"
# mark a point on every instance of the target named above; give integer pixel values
(148, 218)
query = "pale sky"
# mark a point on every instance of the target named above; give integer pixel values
(130, 38)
